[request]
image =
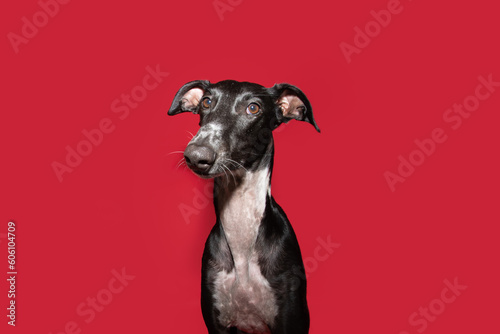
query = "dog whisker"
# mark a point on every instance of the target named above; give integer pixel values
(180, 163)
(237, 164)
(225, 173)
(230, 171)
(176, 152)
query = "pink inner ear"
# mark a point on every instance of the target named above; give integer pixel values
(192, 98)
(291, 106)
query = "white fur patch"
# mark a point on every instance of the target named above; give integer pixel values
(243, 296)
(210, 129)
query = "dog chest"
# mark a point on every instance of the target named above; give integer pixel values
(245, 299)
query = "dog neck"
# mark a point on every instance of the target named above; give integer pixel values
(240, 202)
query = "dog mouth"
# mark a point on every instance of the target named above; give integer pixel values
(206, 175)
(226, 168)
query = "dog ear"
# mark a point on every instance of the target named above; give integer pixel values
(188, 97)
(293, 104)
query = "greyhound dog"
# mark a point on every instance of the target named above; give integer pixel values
(253, 278)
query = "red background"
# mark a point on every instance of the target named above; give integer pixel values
(120, 207)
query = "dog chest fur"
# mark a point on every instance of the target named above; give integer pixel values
(243, 296)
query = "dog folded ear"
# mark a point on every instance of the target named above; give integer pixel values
(188, 97)
(293, 104)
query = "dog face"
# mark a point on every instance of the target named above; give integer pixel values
(236, 122)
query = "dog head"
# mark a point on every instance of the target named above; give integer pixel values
(236, 122)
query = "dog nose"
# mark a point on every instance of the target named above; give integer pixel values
(199, 158)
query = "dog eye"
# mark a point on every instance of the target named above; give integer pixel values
(253, 108)
(206, 102)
